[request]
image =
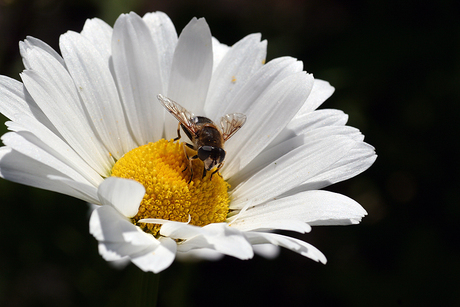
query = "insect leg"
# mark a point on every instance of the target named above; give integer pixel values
(189, 160)
(204, 172)
(185, 152)
(178, 133)
(217, 169)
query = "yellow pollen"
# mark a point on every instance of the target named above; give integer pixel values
(160, 168)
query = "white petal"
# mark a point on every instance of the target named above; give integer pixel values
(219, 50)
(158, 259)
(191, 70)
(272, 153)
(118, 234)
(265, 119)
(238, 65)
(125, 195)
(25, 143)
(313, 207)
(164, 37)
(60, 103)
(318, 119)
(360, 158)
(34, 135)
(161, 221)
(268, 76)
(320, 92)
(13, 98)
(267, 251)
(219, 236)
(89, 192)
(63, 96)
(308, 122)
(291, 170)
(109, 226)
(266, 222)
(293, 244)
(32, 42)
(17, 167)
(99, 34)
(138, 74)
(97, 89)
(179, 230)
(16, 101)
(118, 250)
(108, 253)
(119, 238)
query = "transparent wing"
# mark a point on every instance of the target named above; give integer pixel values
(179, 112)
(231, 123)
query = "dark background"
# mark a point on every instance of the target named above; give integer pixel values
(396, 69)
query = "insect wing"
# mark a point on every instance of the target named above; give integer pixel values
(179, 112)
(231, 123)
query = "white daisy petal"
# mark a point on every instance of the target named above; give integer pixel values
(273, 153)
(119, 235)
(88, 192)
(268, 76)
(266, 120)
(291, 170)
(123, 194)
(41, 139)
(191, 70)
(312, 207)
(219, 50)
(99, 34)
(137, 69)
(309, 122)
(359, 159)
(303, 248)
(220, 237)
(61, 109)
(98, 92)
(16, 103)
(28, 145)
(238, 65)
(32, 42)
(268, 223)
(164, 36)
(108, 253)
(320, 92)
(17, 167)
(118, 250)
(267, 251)
(119, 238)
(158, 259)
(180, 230)
(107, 224)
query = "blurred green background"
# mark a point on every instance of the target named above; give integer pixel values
(396, 69)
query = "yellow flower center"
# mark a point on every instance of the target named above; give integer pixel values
(161, 168)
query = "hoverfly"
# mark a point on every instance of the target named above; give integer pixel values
(208, 139)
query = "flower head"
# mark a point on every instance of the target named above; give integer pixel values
(87, 123)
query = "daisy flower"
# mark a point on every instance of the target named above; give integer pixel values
(86, 122)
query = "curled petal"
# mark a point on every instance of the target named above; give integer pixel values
(123, 194)
(298, 246)
(219, 236)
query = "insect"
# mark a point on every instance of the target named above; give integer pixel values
(208, 139)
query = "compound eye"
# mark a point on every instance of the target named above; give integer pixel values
(204, 152)
(221, 155)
